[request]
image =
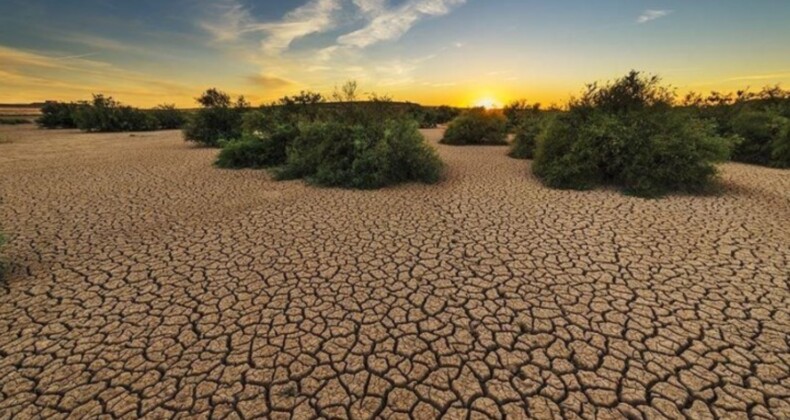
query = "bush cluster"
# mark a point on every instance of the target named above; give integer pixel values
(14, 121)
(526, 136)
(760, 121)
(218, 120)
(57, 115)
(342, 154)
(350, 143)
(104, 114)
(627, 134)
(258, 149)
(477, 126)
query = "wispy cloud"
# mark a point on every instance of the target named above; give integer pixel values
(235, 20)
(389, 23)
(269, 82)
(785, 75)
(652, 14)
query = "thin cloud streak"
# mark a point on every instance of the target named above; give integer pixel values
(391, 23)
(651, 14)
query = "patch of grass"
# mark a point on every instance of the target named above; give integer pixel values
(477, 127)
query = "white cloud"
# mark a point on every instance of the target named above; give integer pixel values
(236, 20)
(389, 23)
(650, 14)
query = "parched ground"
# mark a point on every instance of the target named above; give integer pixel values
(147, 283)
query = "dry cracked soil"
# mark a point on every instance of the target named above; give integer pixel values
(147, 283)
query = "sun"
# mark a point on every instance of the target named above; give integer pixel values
(487, 103)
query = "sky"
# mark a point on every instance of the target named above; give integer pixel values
(456, 52)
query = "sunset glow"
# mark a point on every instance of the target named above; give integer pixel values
(456, 52)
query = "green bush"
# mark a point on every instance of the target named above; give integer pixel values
(258, 151)
(761, 134)
(57, 115)
(168, 117)
(517, 112)
(350, 155)
(14, 121)
(217, 120)
(104, 114)
(477, 126)
(780, 150)
(627, 134)
(525, 140)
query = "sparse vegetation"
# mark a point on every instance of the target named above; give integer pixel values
(105, 114)
(168, 117)
(14, 121)
(477, 127)
(218, 120)
(627, 134)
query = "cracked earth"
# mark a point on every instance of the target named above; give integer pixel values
(147, 283)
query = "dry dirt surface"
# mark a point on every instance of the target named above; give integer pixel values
(147, 283)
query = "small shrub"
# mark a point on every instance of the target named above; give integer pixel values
(477, 126)
(780, 150)
(518, 111)
(14, 121)
(762, 135)
(168, 117)
(361, 156)
(57, 115)
(627, 134)
(217, 120)
(525, 140)
(104, 114)
(256, 151)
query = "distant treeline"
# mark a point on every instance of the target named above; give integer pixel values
(105, 114)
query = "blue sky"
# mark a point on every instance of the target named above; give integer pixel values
(431, 51)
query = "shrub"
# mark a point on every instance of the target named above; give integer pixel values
(104, 114)
(780, 150)
(477, 126)
(57, 115)
(627, 134)
(525, 141)
(217, 120)
(257, 151)
(14, 121)
(168, 117)
(350, 155)
(518, 111)
(761, 134)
